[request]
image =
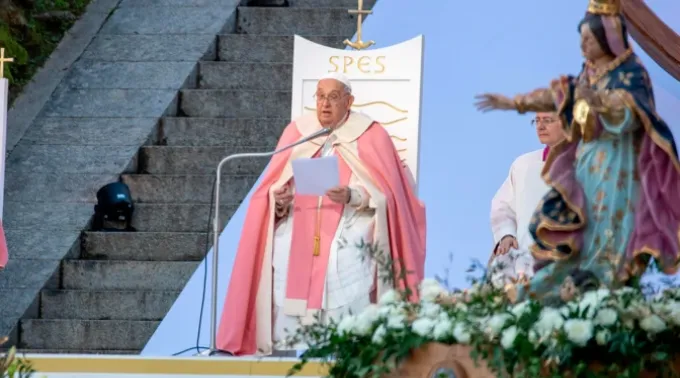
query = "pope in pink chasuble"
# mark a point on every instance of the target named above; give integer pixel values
(307, 260)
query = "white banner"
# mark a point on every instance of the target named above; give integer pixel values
(386, 84)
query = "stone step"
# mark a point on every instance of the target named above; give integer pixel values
(145, 246)
(198, 160)
(68, 334)
(180, 217)
(126, 275)
(224, 103)
(205, 132)
(348, 4)
(300, 21)
(266, 48)
(188, 188)
(106, 305)
(241, 75)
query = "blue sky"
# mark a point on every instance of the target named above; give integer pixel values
(470, 47)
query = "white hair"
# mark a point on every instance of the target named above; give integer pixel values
(340, 78)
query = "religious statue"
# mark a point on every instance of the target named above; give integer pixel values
(613, 201)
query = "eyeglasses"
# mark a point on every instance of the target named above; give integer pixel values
(542, 121)
(332, 97)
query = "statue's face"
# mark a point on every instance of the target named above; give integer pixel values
(332, 102)
(590, 48)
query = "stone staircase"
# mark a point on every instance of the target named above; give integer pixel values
(114, 292)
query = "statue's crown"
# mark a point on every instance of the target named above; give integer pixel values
(604, 7)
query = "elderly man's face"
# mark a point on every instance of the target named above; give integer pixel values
(548, 128)
(332, 102)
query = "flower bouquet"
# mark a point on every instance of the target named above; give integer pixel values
(479, 333)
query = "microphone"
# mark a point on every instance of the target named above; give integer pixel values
(216, 225)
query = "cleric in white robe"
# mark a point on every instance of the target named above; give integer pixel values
(301, 256)
(514, 204)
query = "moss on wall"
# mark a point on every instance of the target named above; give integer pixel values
(29, 31)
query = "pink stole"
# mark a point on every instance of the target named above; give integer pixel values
(306, 272)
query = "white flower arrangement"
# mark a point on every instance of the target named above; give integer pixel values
(622, 330)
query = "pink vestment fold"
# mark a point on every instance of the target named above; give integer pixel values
(4, 256)
(238, 330)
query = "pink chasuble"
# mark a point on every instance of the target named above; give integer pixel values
(307, 270)
(245, 326)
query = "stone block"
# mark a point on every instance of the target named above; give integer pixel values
(231, 75)
(92, 74)
(197, 160)
(72, 159)
(15, 304)
(42, 245)
(170, 20)
(29, 274)
(46, 216)
(86, 334)
(345, 4)
(105, 305)
(152, 48)
(134, 103)
(300, 21)
(126, 275)
(265, 48)
(235, 104)
(207, 132)
(178, 217)
(145, 246)
(188, 188)
(178, 3)
(55, 187)
(90, 131)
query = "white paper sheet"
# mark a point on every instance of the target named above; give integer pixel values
(314, 177)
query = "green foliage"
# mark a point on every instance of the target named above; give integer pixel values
(29, 36)
(13, 367)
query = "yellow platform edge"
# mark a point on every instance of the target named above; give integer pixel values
(97, 364)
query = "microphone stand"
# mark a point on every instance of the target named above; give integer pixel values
(216, 228)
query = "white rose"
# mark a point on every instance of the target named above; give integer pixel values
(364, 322)
(606, 317)
(495, 324)
(430, 290)
(579, 331)
(390, 297)
(392, 310)
(346, 324)
(520, 309)
(533, 337)
(430, 310)
(396, 321)
(602, 337)
(591, 301)
(508, 337)
(422, 326)
(442, 329)
(653, 324)
(379, 334)
(549, 320)
(461, 333)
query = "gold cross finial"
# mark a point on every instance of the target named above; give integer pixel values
(3, 60)
(360, 12)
